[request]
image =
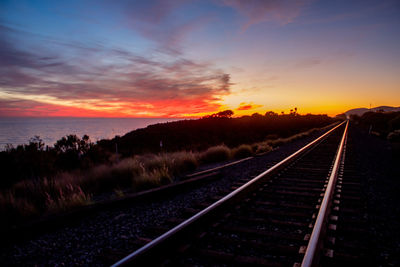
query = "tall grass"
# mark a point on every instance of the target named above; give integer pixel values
(28, 199)
(71, 189)
(177, 162)
(242, 151)
(66, 198)
(215, 154)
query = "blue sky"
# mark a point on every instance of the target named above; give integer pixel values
(190, 58)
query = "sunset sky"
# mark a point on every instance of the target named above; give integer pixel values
(191, 58)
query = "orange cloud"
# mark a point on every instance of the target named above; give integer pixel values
(248, 106)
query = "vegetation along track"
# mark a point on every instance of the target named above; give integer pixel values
(286, 216)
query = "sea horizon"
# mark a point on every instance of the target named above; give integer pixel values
(19, 130)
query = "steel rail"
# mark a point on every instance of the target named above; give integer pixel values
(216, 204)
(310, 255)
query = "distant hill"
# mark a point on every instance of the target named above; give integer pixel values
(361, 111)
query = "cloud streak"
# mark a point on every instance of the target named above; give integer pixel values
(258, 11)
(146, 18)
(111, 80)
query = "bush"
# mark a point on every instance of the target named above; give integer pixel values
(215, 154)
(262, 147)
(105, 178)
(183, 162)
(243, 151)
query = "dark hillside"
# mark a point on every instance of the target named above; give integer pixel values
(381, 123)
(202, 133)
(34, 161)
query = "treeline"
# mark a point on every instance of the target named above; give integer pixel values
(35, 161)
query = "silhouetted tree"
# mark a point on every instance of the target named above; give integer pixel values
(222, 114)
(73, 143)
(256, 115)
(35, 144)
(270, 114)
(293, 112)
(70, 149)
(225, 114)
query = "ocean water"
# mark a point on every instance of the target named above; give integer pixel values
(17, 131)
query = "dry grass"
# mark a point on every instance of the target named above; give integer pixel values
(139, 172)
(177, 162)
(72, 189)
(261, 147)
(28, 199)
(105, 178)
(66, 198)
(242, 151)
(153, 178)
(215, 154)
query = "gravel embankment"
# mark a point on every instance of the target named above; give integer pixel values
(86, 242)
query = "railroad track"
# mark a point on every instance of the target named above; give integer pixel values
(290, 215)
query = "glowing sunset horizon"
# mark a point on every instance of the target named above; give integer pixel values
(193, 58)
